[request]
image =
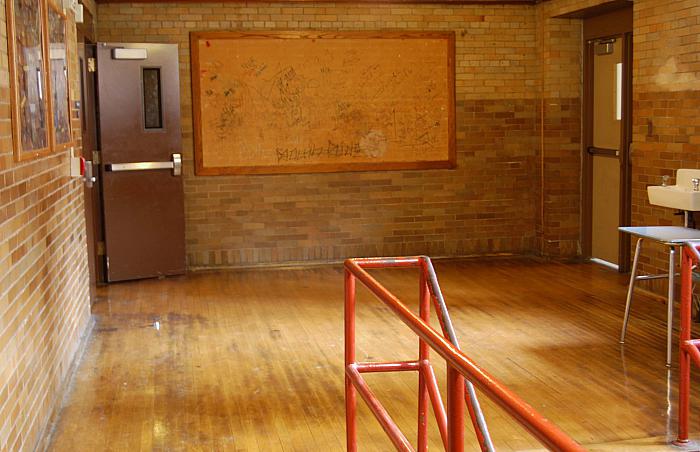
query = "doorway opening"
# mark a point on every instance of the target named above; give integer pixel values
(607, 135)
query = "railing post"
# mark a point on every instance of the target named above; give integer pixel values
(350, 391)
(683, 356)
(455, 410)
(475, 413)
(459, 366)
(423, 356)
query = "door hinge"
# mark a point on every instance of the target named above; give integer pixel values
(100, 248)
(91, 65)
(95, 157)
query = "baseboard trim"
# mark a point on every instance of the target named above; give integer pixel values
(298, 265)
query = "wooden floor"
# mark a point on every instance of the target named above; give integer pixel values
(253, 360)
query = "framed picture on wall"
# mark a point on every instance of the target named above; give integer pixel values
(29, 94)
(58, 79)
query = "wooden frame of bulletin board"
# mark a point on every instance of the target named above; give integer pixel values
(304, 102)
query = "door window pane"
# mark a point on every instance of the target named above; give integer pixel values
(153, 116)
(607, 86)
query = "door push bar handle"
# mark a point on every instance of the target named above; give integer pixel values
(592, 150)
(175, 164)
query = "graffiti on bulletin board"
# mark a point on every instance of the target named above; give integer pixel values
(315, 102)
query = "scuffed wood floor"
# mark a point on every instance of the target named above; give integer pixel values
(253, 360)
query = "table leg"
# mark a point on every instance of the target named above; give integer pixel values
(630, 289)
(669, 308)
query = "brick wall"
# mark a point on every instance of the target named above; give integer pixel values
(560, 129)
(89, 23)
(667, 97)
(488, 204)
(44, 305)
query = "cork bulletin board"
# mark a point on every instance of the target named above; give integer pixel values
(298, 102)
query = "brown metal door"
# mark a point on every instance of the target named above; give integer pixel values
(139, 111)
(86, 58)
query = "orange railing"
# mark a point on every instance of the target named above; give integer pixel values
(460, 369)
(688, 347)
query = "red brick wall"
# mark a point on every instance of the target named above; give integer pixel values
(486, 205)
(667, 96)
(560, 130)
(44, 305)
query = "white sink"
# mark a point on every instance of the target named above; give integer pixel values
(680, 196)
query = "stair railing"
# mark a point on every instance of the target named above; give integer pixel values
(463, 375)
(689, 349)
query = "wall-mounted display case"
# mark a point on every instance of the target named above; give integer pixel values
(39, 88)
(58, 80)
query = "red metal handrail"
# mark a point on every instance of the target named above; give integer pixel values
(450, 421)
(688, 348)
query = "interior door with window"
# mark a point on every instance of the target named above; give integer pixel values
(140, 140)
(607, 93)
(605, 149)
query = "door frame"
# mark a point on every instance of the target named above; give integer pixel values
(89, 149)
(616, 24)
